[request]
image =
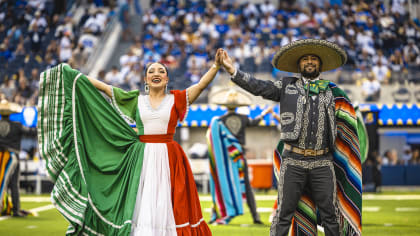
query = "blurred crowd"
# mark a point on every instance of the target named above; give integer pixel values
(39, 34)
(410, 155)
(381, 41)
(372, 167)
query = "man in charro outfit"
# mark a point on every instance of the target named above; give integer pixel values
(309, 110)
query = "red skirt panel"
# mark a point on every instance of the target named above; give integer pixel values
(186, 204)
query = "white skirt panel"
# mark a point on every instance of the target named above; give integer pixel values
(153, 214)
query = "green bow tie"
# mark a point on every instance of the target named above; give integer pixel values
(316, 86)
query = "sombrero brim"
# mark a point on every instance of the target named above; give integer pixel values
(233, 105)
(331, 55)
(221, 98)
(9, 108)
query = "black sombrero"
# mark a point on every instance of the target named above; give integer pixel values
(331, 55)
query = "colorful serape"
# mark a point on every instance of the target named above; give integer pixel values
(226, 172)
(8, 163)
(348, 170)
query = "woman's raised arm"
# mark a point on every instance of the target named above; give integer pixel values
(101, 86)
(195, 90)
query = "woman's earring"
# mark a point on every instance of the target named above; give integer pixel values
(166, 88)
(146, 88)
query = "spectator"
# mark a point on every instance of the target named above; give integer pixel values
(5, 53)
(371, 88)
(79, 56)
(398, 6)
(208, 29)
(390, 157)
(39, 21)
(33, 79)
(135, 77)
(84, 18)
(8, 87)
(126, 62)
(267, 7)
(320, 15)
(411, 52)
(415, 159)
(114, 77)
(35, 35)
(397, 65)
(365, 41)
(124, 18)
(407, 155)
(250, 9)
(67, 26)
(379, 56)
(65, 48)
(95, 23)
(381, 72)
(88, 41)
(24, 90)
(288, 39)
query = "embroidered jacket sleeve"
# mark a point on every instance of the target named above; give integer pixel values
(265, 88)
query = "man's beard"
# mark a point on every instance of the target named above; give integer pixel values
(310, 75)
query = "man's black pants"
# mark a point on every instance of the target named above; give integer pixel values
(295, 175)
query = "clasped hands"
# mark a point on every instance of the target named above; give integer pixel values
(223, 59)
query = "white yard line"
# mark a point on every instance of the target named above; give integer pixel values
(34, 210)
(259, 209)
(43, 208)
(264, 198)
(371, 209)
(365, 197)
(257, 197)
(35, 199)
(390, 197)
(407, 209)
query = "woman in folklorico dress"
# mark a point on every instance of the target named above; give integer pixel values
(111, 179)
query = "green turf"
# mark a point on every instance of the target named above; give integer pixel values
(386, 221)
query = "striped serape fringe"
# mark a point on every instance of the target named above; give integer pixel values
(8, 163)
(227, 182)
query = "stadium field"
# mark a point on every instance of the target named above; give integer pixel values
(387, 213)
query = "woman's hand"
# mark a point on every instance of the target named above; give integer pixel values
(218, 58)
(195, 90)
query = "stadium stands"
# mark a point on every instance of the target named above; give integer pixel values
(36, 35)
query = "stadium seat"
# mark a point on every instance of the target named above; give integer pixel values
(402, 95)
